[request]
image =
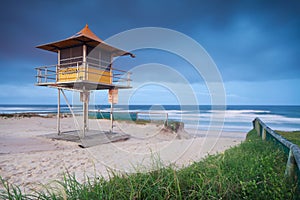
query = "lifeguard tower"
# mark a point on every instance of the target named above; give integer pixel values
(84, 63)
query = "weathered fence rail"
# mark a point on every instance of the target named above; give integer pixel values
(292, 150)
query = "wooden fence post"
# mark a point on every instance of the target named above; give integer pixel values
(264, 134)
(257, 127)
(290, 170)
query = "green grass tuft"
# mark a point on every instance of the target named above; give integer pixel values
(293, 136)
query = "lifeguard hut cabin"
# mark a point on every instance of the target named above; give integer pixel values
(84, 63)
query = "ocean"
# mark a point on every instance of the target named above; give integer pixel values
(235, 118)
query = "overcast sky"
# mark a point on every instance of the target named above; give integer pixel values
(255, 44)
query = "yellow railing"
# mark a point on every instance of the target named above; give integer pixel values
(82, 71)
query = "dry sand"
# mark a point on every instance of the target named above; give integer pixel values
(28, 159)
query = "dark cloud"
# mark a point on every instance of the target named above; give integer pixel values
(249, 40)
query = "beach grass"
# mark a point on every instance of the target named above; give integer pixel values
(252, 170)
(293, 136)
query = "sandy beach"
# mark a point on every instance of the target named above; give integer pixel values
(28, 158)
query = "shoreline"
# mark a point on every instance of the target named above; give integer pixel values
(26, 158)
(238, 117)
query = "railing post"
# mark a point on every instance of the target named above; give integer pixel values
(264, 134)
(86, 71)
(58, 66)
(56, 73)
(257, 128)
(290, 170)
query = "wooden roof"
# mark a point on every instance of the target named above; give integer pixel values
(87, 37)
